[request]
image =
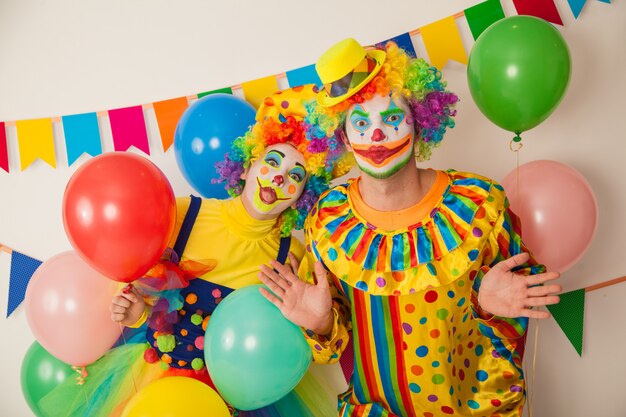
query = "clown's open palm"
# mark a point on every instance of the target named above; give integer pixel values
(505, 293)
(304, 304)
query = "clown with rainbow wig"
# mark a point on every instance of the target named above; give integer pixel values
(419, 275)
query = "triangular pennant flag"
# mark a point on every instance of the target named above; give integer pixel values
(302, 76)
(403, 41)
(22, 269)
(82, 135)
(36, 140)
(225, 90)
(544, 9)
(481, 16)
(168, 113)
(443, 42)
(4, 153)
(255, 91)
(128, 127)
(577, 6)
(569, 313)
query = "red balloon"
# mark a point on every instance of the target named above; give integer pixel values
(119, 213)
(558, 211)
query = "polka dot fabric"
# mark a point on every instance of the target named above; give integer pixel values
(422, 346)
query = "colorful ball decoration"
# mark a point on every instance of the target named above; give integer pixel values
(558, 211)
(205, 132)
(518, 72)
(255, 356)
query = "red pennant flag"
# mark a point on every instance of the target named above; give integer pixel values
(128, 127)
(544, 9)
(4, 154)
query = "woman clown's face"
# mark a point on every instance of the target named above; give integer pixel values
(381, 135)
(276, 180)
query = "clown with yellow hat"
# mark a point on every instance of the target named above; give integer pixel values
(421, 275)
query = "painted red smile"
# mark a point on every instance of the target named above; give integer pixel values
(378, 153)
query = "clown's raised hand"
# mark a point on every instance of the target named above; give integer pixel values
(304, 304)
(505, 293)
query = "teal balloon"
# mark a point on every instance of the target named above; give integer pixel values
(518, 72)
(41, 373)
(255, 356)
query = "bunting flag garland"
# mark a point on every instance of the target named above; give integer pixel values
(128, 127)
(569, 314)
(36, 141)
(4, 154)
(544, 9)
(302, 76)
(443, 42)
(82, 132)
(255, 91)
(403, 41)
(22, 269)
(82, 135)
(167, 113)
(483, 15)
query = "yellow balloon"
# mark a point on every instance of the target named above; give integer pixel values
(176, 396)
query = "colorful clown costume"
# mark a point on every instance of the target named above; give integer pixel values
(173, 344)
(405, 284)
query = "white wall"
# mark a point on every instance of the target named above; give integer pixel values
(65, 57)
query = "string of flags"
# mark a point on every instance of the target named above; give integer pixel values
(569, 313)
(81, 132)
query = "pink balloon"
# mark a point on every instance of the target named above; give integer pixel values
(67, 308)
(558, 210)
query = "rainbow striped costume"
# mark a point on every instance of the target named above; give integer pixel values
(422, 345)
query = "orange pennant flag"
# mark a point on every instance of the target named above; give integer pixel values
(168, 113)
(443, 42)
(255, 91)
(36, 140)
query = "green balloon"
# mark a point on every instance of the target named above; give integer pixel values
(518, 72)
(255, 356)
(41, 373)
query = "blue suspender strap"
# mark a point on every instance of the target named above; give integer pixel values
(283, 250)
(185, 228)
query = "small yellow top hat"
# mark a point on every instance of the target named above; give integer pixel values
(289, 102)
(344, 69)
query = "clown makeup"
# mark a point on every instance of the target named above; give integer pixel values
(275, 181)
(381, 135)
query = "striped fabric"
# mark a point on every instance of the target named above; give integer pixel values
(422, 346)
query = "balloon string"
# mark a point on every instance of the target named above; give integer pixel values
(531, 388)
(126, 290)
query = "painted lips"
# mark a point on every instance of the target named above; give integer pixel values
(378, 153)
(268, 194)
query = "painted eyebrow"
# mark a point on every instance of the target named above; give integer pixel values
(391, 111)
(360, 113)
(298, 164)
(278, 152)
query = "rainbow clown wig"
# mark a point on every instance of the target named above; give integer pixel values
(384, 71)
(283, 118)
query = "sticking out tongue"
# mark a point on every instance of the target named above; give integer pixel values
(267, 195)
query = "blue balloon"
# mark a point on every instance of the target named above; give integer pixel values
(204, 133)
(255, 356)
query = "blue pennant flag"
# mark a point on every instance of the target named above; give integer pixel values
(403, 41)
(82, 134)
(22, 268)
(302, 76)
(577, 6)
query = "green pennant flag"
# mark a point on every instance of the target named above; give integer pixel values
(225, 90)
(569, 313)
(482, 15)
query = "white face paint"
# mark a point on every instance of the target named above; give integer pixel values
(381, 134)
(275, 181)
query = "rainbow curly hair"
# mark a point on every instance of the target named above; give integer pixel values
(284, 118)
(421, 85)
